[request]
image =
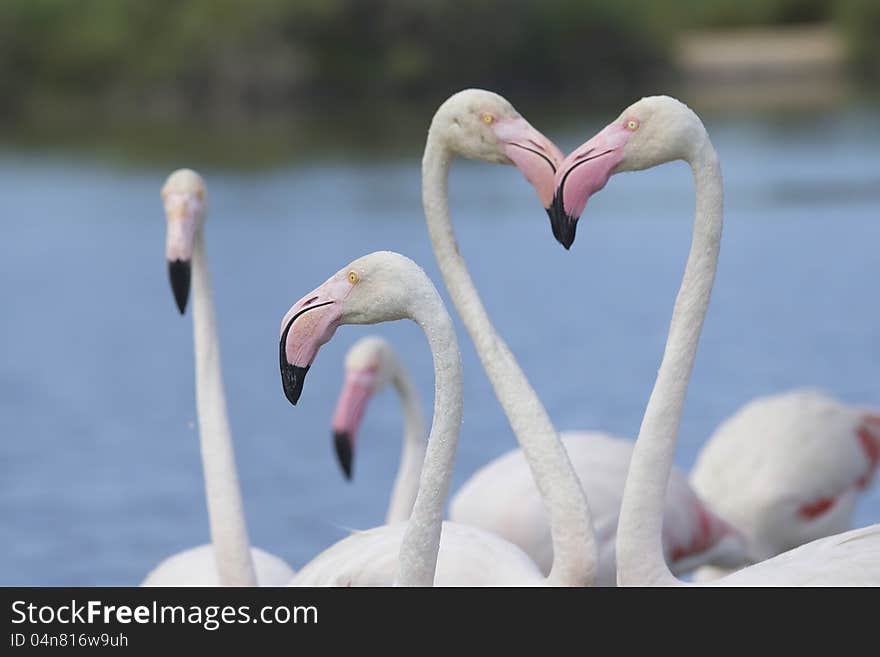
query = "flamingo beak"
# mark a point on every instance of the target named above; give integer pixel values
(309, 324)
(532, 153)
(583, 173)
(356, 393)
(182, 213)
(343, 444)
(179, 276)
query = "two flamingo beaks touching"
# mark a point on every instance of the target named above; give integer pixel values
(386, 287)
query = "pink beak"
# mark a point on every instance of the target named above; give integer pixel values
(583, 173)
(356, 393)
(309, 324)
(532, 153)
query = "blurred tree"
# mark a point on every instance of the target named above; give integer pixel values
(232, 57)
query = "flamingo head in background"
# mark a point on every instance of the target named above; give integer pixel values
(183, 196)
(481, 125)
(367, 291)
(369, 365)
(649, 132)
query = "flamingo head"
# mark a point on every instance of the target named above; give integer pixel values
(369, 365)
(482, 125)
(649, 132)
(367, 291)
(183, 196)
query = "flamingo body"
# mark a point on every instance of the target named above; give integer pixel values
(502, 498)
(848, 559)
(788, 469)
(468, 556)
(198, 567)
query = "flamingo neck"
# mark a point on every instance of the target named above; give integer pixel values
(575, 552)
(640, 559)
(417, 562)
(406, 485)
(229, 534)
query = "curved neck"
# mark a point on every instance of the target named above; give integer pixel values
(575, 554)
(225, 510)
(406, 485)
(640, 558)
(417, 562)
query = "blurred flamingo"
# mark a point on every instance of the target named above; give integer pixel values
(229, 559)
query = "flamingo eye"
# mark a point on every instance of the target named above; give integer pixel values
(632, 124)
(353, 277)
(487, 118)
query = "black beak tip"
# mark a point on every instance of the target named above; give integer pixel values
(567, 241)
(292, 378)
(564, 226)
(342, 443)
(179, 275)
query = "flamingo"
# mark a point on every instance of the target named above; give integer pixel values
(502, 497)
(787, 469)
(382, 287)
(651, 132)
(370, 364)
(229, 559)
(481, 125)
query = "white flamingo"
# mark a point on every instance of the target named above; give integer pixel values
(229, 559)
(481, 125)
(370, 364)
(649, 133)
(787, 469)
(383, 287)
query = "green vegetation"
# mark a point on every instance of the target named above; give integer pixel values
(160, 58)
(860, 23)
(167, 56)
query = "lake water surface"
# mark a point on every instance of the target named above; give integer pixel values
(101, 476)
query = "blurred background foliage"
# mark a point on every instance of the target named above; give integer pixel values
(233, 58)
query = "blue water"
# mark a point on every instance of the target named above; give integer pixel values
(101, 476)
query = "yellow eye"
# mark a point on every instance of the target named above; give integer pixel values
(632, 124)
(353, 277)
(487, 118)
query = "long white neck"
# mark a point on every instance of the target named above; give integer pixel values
(417, 562)
(406, 485)
(640, 558)
(225, 510)
(575, 553)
